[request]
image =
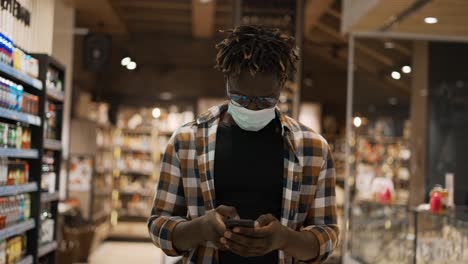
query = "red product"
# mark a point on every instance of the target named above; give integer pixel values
(436, 202)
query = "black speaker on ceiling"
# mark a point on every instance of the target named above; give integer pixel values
(97, 51)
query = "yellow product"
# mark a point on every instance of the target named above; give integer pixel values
(14, 249)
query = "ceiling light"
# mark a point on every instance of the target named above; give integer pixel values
(165, 96)
(406, 69)
(205, 1)
(393, 100)
(125, 61)
(431, 20)
(396, 75)
(131, 65)
(156, 113)
(357, 121)
(389, 45)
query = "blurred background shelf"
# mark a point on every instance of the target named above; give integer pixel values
(19, 153)
(52, 144)
(20, 117)
(50, 197)
(24, 78)
(17, 229)
(47, 248)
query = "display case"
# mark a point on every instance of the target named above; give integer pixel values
(381, 234)
(443, 237)
(396, 234)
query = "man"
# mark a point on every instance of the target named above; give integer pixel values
(245, 159)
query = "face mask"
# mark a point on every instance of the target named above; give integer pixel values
(251, 120)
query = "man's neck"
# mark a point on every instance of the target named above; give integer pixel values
(227, 119)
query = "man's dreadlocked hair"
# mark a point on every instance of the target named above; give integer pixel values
(256, 49)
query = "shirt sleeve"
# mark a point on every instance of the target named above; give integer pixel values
(322, 219)
(169, 207)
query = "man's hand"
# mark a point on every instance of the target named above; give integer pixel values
(212, 224)
(268, 235)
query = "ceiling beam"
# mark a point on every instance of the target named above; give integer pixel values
(203, 19)
(168, 5)
(370, 52)
(99, 16)
(314, 9)
(156, 18)
(401, 48)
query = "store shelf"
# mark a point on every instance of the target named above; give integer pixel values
(26, 260)
(47, 248)
(56, 95)
(101, 215)
(105, 148)
(50, 197)
(22, 77)
(136, 173)
(132, 218)
(103, 170)
(18, 189)
(19, 153)
(103, 192)
(127, 192)
(52, 144)
(165, 133)
(146, 131)
(20, 117)
(17, 229)
(138, 150)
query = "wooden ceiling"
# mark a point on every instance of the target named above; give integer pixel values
(180, 36)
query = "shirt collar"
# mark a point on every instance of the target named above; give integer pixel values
(214, 113)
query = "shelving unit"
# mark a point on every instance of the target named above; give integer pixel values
(50, 197)
(19, 153)
(47, 248)
(17, 229)
(103, 176)
(18, 189)
(134, 186)
(32, 155)
(52, 116)
(20, 117)
(27, 260)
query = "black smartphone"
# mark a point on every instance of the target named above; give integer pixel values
(231, 223)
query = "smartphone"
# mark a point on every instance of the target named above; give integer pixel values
(231, 223)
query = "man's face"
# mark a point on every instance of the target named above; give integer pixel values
(260, 85)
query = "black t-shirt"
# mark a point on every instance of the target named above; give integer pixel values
(248, 174)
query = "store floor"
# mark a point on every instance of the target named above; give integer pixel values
(126, 252)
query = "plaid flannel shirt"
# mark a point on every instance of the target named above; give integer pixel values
(186, 186)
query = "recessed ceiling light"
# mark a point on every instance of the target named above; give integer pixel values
(389, 45)
(131, 65)
(396, 75)
(156, 113)
(393, 100)
(357, 122)
(125, 61)
(431, 20)
(165, 96)
(406, 69)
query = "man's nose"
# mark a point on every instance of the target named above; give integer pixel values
(252, 106)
